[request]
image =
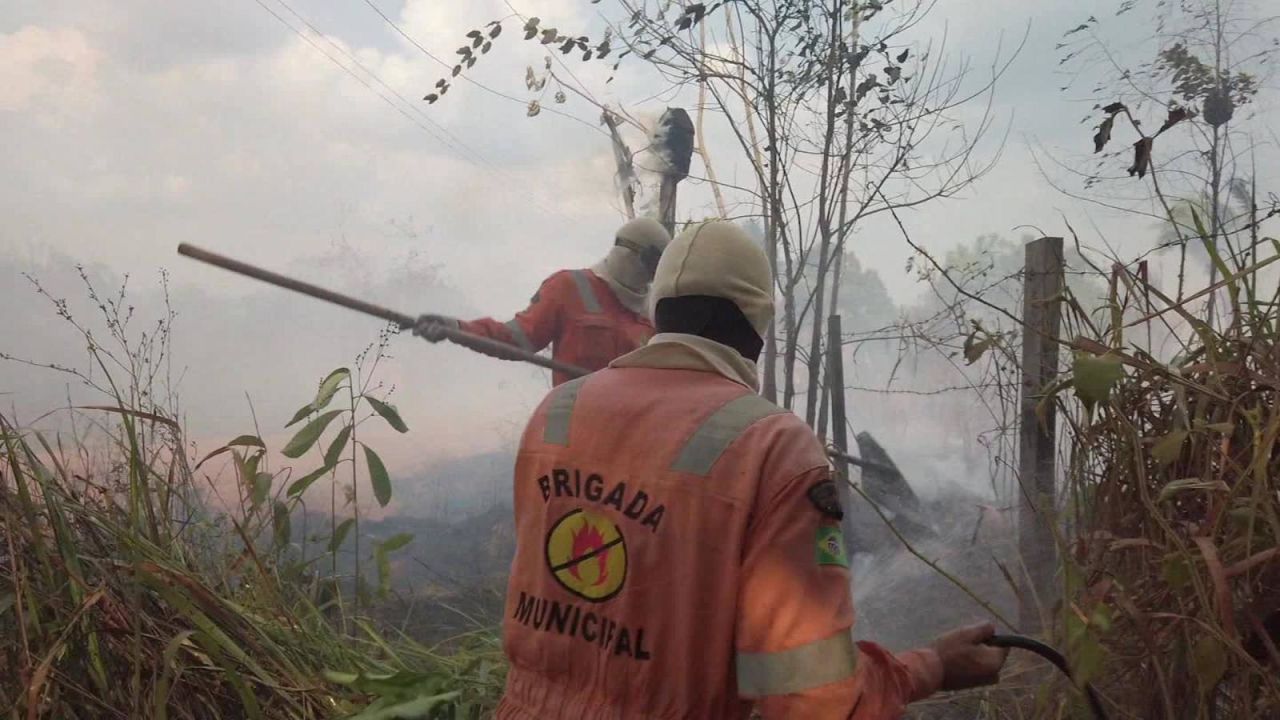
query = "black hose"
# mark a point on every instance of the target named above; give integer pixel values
(1025, 643)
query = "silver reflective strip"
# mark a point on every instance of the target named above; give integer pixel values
(517, 334)
(717, 432)
(560, 412)
(585, 292)
(798, 669)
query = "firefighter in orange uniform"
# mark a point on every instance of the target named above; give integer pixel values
(589, 316)
(678, 546)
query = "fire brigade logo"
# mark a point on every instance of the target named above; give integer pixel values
(587, 555)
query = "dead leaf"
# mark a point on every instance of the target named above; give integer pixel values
(535, 107)
(1141, 158)
(1113, 108)
(1103, 136)
(1222, 592)
(1176, 115)
(975, 348)
(1253, 561)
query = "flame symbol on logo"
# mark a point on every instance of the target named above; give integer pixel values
(587, 539)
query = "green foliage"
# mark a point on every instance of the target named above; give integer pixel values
(328, 387)
(133, 598)
(1171, 474)
(308, 435)
(1194, 81)
(389, 414)
(1093, 376)
(378, 476)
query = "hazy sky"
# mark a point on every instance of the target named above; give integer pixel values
(128, 126)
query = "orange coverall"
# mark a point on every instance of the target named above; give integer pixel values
(577, 313)
(674, 562)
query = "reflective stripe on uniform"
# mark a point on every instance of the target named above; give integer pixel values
(560, 412)
(802, 668)
(585, 292)
(717, 432)
(517, 334)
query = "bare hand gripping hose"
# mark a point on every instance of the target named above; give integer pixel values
(1053, 656)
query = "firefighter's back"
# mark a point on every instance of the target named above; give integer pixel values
(634, 488)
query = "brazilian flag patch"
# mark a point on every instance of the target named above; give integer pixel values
(830, 546)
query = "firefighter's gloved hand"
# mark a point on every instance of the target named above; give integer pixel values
(966, 661)
(434, 328)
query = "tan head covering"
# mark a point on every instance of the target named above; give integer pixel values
(718, 259)
(623, 269)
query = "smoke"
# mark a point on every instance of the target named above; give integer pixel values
(902, 602)
(244, 363)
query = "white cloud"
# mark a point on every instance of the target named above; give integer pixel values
(43, 71)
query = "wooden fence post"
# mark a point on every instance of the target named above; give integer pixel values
(1042, 319)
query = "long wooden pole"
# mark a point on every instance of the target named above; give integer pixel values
(466, 339)
(475, 342)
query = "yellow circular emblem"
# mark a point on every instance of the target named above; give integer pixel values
(587, 555)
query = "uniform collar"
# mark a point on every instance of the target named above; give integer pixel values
(678, 351)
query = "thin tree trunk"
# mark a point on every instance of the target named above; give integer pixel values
(842, 231)
(700, 138)
(825, 202)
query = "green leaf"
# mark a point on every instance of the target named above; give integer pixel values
(1094, 375)
(362, 591)
(1087, 660)
(1187, 484)
(1101, 619)
(1208, 662)
(388, 413)
(1222, 427)
(1169, 447)
(329, 387)
(378, 476)
(383, 560)
(340, 678)
(340, 534)
(419, 708)
(247, 441)
(261, 488)
(299, 486)
(334, 453)
(303, 411)
(280, 524)
(1176, 571)
(397, 541)
(309, 434)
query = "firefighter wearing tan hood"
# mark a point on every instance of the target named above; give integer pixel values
(712, 303)
(678, 545)
(587, 316)
(631, 262)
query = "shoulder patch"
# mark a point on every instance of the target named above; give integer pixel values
(826, 498)
(830, 546)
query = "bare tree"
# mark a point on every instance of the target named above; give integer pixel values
(835, 109)
(838, 115)
(1198, 74)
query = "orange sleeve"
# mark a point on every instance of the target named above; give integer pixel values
(795, 652)
(533, 328)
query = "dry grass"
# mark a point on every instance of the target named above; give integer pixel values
(1172, 568)
(122, 595)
